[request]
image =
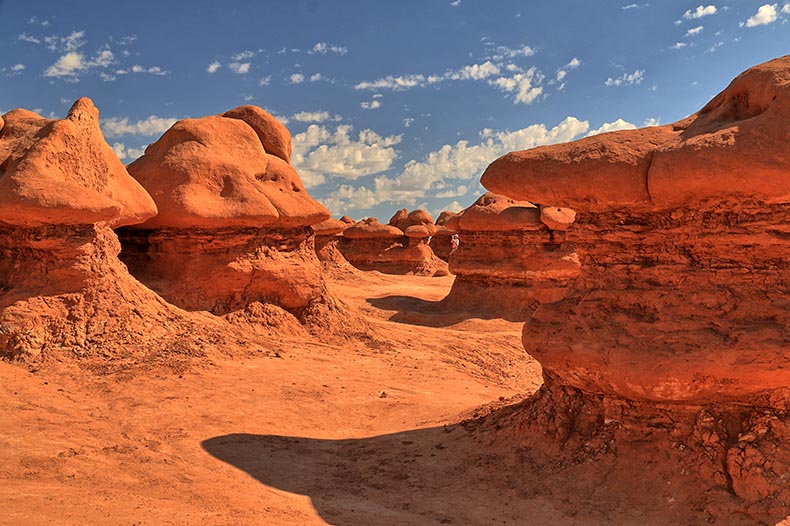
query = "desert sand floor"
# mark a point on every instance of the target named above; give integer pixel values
(298, 432)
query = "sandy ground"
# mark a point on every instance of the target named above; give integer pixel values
(300, 432)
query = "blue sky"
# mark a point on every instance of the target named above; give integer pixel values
(391, 104)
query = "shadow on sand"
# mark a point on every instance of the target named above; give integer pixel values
(447, 311)
(477, 473)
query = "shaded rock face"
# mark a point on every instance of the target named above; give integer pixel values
(681, 308)
(369, 245)
(327, 236)
(234, 220)
(508, 260)
(441, 241)
(62, 287)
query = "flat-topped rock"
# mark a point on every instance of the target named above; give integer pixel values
(734, 147)
(493, 212)
(63, 172)
(371, 229)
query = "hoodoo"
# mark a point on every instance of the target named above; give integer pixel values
(234, 223)
(681, 308)
(509, 258)
(62, 287)
(400, 247)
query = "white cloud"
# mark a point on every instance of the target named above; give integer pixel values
(563, 71)
(321, 152)
(394, 83)
(71, 42)
(455, 3)
(454, 206)
(699, 12)
(243, 55)
(786, 9)
(694, 31)
(153, 70)
(627, 79)
(322, 48)
(765, 15)
(475, 72)
(503, 52)
(68, 65)
(679, 45)
(24, 37)
(240, 68)
(526, 86)
(123, 152)
(314, 116)
(652, 121)
(618, 124)
(457, 191)
(370, 105)
(152, 125)
(461, 162)
(714, 47)
(213, 67)
(264, 81)
(296, 78)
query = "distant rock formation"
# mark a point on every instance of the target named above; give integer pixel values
(441, 241)
(681, 310)
(509, 259)
(62, 287)
(234, 223)
(390, 249)
(328, 237)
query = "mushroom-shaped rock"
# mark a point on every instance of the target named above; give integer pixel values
(234, 221)
(680, 309)
(493, 212)
(347, 220)
(40, 185)
(400, 219)
(274, 136)
(371, 229)
(330, 227)
(62, 288)
(373, 246)
(417, 231)
(734, 147)
(557, 218)
(507, 260)
(213, 172)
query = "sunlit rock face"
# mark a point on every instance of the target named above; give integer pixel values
(234, 223)
(509, 260)
(683, 296)
(62, 287)
(391, 249)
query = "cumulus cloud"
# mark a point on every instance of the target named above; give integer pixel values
(213, 67)
(449, 170)
(240, 68)
(73, 63)
(699, 12)
(627, 79)
(24, 37)
(152, 125)
(395, 83)
(455, 3)
(618, 124)
(502, 52)
(679, 45)
(137, 68)
(296, 78)
(321, 152)
(123, 152)
(475, 72)
(525, 86)
(370, 105)
(652, 121)
(694, 31)
(786, 9)
(766, 14)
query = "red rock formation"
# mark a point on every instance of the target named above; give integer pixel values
(386, 248)
(508, 260)
(62, 287)
(234, 221)
(328, 235)
(683, 235)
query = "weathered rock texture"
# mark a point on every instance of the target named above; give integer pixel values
(508, 260)
(62, 287)
(387, 248)
(234, 223)
(682, 302)
(328, 238)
